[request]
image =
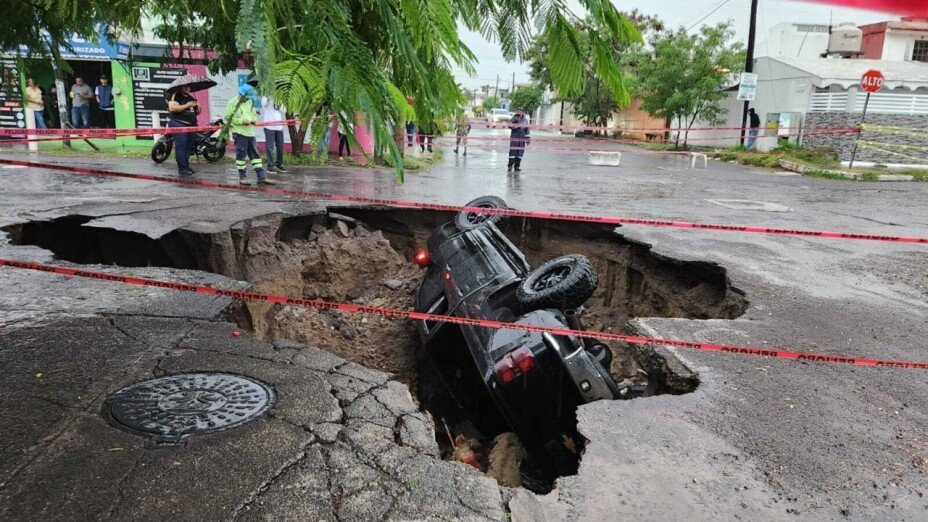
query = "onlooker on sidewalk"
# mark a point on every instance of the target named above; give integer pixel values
(410, 132)
(326, 138)
(35, 102)
(426, 136)
(241, 115)
(343, 139)
(104, 93)
(183, 109)
(273, 134)
(752, 132)
(461, 130)
(81, 94)
(52, 117)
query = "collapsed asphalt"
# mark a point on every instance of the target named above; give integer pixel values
(757, 439)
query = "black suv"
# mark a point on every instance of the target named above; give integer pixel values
(509, 380)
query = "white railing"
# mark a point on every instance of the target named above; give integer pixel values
(880, 103)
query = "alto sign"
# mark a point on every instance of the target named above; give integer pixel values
(872, 81)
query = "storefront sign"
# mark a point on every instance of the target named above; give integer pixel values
(148, 85)
(12, 115)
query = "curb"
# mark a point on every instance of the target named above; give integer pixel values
(804, 169)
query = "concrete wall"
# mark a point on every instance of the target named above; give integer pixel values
(780, 88)
(844, 143)
(785, 40)
(897, 47)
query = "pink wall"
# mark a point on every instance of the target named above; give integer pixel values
(360, 134)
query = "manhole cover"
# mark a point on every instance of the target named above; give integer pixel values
(172, 408)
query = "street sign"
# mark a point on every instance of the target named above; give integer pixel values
(872, 81)
(748, 87)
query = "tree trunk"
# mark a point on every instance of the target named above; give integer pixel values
(297, 136)
(399, 136)
(676, 145)
(59, 84)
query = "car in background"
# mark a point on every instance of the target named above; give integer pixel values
(502, 380)
(498, 115)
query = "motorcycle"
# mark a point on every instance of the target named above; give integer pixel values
(207, 144)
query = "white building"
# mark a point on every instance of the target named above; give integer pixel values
(795, 40)
(798, 87)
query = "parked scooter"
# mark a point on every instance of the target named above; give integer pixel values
(207, 144)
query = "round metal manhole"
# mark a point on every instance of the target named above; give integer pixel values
(175, 407)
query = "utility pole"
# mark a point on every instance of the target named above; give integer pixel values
(749, 63)
(512, 87)
(496, 90)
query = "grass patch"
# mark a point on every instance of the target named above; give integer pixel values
(409, 162)
(656, 145)
(771, 159)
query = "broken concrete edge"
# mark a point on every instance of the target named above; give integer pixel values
(809, 169)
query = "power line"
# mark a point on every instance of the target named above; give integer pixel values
(708, 15)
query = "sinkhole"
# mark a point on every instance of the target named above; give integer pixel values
(362, 255)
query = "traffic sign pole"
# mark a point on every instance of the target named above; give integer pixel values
(850, 165)
(872, 81)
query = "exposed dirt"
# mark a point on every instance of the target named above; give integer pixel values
(344, 265)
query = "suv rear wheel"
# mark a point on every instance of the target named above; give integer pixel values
(565, 283)
(471, 220)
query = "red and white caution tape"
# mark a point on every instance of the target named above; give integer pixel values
(539, 214)
(419, 316)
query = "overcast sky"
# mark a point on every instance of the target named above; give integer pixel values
(675, 13)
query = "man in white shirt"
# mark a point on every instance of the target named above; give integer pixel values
(273, 134)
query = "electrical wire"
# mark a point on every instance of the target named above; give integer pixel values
(719, 6)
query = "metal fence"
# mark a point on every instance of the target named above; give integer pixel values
(880, 103)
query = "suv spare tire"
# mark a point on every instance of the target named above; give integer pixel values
(471, 220)
(563, 283)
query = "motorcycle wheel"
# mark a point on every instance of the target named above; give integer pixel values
(214, 150)
(162, 150)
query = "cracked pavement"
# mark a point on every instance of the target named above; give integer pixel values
(758, 439)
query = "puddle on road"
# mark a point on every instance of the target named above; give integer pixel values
(361, 255)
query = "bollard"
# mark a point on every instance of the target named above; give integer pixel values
(30, 124)
(156, 123)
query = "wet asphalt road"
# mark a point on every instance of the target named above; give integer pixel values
(759, 438)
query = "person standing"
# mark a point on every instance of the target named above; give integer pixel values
(461, 130)
(343, 139)
(519, 138)
(427, 135)
(410, 132)
(81, 94)
(273, 134)
(52, 119)
(35, 102)
(104, 94)
(241, 115)
(326, 138)
(183, 109)
(752, 132)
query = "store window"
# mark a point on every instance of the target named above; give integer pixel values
(920, 52)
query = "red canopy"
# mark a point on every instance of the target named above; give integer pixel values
(912, 8)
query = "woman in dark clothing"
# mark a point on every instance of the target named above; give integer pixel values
(50, 96)
(518, 140)
(184, 110)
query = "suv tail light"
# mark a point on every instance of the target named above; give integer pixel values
(422, 258)
(519, 362)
